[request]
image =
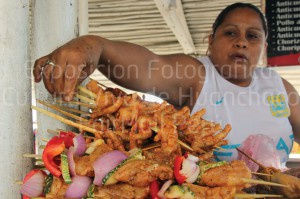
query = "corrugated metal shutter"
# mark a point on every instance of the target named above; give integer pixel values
(140, 22)
(291, 74)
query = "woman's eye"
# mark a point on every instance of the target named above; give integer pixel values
(253, 36)
(230, 33)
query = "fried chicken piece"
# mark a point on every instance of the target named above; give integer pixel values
(168, 136)
(94, 87)
(121, 191)
(149, 108)
(158, 156)
(100, 125)
(195, 123)
(116, 91)
(128, 113)
(206, 156)
(58, 189)
(178, 117)
(84, 164)
(211, 140)
(141, 173)
(203, 135)
(227, 175)
(110, 104)
(160, 114)
(106, 101)
(293, 183)
(293, 172)
(226, 192)
(116, 140)
(141, 130)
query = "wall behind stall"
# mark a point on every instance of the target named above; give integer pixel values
(24, 39)
(53, 23)
(16, 137)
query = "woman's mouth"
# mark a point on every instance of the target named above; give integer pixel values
(238, 57)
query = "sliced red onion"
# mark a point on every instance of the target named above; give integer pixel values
(188, 168)
(105, 163)
(192, 158)
(164, 188)
(194, 176)
(79, 145)
(79, 187)
(70, 155)
(34, 186)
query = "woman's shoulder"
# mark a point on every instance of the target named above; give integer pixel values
(265, 70)
(266, 73)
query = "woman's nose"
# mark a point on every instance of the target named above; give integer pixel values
(241, 43)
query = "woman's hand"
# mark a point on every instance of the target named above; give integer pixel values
(128, 65)
(66, 67)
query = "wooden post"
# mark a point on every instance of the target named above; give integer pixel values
(54, 23)
(16, 137)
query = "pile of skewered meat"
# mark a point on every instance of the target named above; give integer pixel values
(130, 148)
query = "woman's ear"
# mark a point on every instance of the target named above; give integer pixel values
(266, 46)
(210, 41)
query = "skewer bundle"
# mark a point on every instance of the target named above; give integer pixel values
(270, 174)
(142, 146)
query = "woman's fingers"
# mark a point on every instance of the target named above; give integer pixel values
(38, 68)
(58, 77)
(61, 74)
(72, 75)
(47, 77)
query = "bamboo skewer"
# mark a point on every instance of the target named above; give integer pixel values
(19, 182)
(54, 107)
(151, 146)
(87, 92)
(85, 99)
(45, 140)
(262, 174)
(66, 121)
(104, 86)
(99, 83)
(257, 196)
(218, 148)
(77, 103)
(184, 145)
(80, 126)
(74, 110)
(26, 155)
(245, 154)
(52, 132)
(253, 181)
(90, 93)
(39, 163)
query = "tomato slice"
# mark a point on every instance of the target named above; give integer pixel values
(154, 188)
(67, 137)
(177, 167)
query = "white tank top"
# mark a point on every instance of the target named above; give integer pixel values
(260, 108)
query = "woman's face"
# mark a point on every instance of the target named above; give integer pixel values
(238, 45)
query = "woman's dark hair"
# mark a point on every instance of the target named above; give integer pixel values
(223, 14)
